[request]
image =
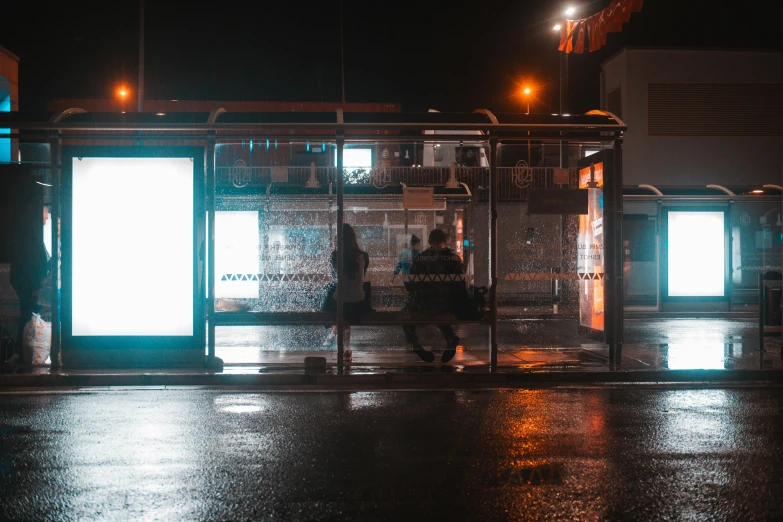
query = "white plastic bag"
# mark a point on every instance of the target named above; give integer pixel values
(37, 341)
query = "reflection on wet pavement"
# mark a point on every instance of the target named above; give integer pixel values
(524, 343)
(618, 453)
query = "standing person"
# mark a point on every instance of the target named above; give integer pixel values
(355, 263)
(27, 278)
(406, 257)
(435, 284)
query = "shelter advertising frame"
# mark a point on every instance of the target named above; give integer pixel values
(97, 331)
(690, 294)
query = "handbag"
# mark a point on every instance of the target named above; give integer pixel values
(329, 304)
(471, 305)
(367, 287)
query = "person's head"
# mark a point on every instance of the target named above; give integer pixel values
(415, 241)
(350, 243)
(437, 238)
(352, 254)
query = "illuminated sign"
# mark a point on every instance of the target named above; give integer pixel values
(696, 250)
(597, 176)
(236, 254)
(132, 247)
(590, 249)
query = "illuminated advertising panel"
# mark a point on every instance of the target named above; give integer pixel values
(590, 249)
(132, 246)
(696, 254)
(236, 254)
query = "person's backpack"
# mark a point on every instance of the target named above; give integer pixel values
(473, 306)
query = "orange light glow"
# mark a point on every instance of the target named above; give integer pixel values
(460, 236)
(527, 91)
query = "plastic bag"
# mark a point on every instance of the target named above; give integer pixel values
(37, 340)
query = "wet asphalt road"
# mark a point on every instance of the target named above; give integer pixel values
(623, 453)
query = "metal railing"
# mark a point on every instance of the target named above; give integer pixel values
(514, 182)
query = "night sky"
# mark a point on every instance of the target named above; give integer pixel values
(423, 54)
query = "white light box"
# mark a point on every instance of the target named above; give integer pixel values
(132, 247)
(236, 254)
(696, 254)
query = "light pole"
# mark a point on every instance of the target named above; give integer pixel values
(342, 55)
(527, 99)
(141, 57)
(564, 87)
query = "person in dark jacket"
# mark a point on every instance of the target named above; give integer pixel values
(435, 283)
(27, 278)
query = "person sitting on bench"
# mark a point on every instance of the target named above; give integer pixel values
(435, 283)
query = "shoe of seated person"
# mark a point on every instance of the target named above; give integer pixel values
(348, 355)
(451, 349)
(423, 354)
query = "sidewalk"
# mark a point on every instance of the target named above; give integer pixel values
(536, 348)
(400, 369)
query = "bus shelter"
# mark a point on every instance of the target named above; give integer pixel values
(175, 227)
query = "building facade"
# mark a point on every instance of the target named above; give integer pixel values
(702, 174)
(696, 117)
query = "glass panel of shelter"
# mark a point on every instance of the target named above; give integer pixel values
(275, 228)
(756, 238)
(550, 266)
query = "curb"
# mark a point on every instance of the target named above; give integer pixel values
(389, 380)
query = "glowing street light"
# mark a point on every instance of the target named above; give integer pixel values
(557, 27)
(527, 92)
(570, 11)
(122, 93)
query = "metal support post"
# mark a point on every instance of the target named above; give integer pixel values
(141, 56)
(340, 264)
(55, 166)
(613, 198)
(493, 254)
(762, 312)
(211, 182)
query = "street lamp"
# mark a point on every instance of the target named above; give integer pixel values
(527, 99)
(569, 12)
(122, 94)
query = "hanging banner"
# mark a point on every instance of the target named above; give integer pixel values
(594, 28)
